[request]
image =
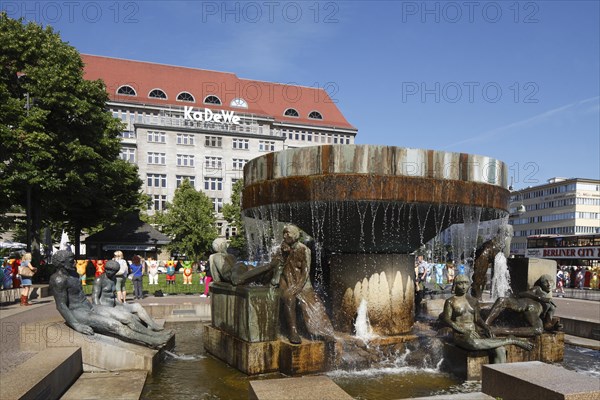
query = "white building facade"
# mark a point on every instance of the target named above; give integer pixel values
(204, 126)
(560, 207)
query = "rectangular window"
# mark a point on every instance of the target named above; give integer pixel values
(157, 137)
(156, 180)
(128, 135)
(238, 163)
(159, 202)
(242, 144)
(180, 178)
(157, 158)
(212, 163)
(217, 204)
(185, 139)
(266, 145)
(213, 141)
(127, 154)
(185, 160)
(213, 183)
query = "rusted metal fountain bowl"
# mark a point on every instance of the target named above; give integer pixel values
(375, 199)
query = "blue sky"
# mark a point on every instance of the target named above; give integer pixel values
(518, 81)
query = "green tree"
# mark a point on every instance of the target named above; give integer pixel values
(189, 221)
(59, 147)
(232, 212)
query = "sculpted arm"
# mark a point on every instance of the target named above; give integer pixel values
(536, 294)
(447, 316)
(97, 291)
(60, 289)
(214, 271)
(480, 321)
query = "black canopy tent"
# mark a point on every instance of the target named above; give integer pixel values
(132, 236)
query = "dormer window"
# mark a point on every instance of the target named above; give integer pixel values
(212, 100)
(315, 115)
(126, 90)
(157, 94)
(290, 112)
(185, 96)
(239, 103)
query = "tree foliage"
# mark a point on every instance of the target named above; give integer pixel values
(58, 144)
(232, 212)
(189, 221)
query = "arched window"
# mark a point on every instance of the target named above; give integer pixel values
(239, 103)
(185, 96)
(157, 94)
(315, 115)
(290, 112)
(126, 90)
(212, 100)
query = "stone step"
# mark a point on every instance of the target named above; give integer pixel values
(303, 388)
(537, 380)
(99, 352)
(124, 385)
(46, 375)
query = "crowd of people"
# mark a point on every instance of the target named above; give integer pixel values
(577, 277)
(14, 269)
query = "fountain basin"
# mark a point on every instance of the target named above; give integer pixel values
(339, 193)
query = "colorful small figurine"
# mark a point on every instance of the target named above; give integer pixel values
(170, 272)
(99, 264)
(81, 266)
(187, 272)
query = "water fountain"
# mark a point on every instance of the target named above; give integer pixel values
(367, 208)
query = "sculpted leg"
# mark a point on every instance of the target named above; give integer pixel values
(142, 314)
(289, 309)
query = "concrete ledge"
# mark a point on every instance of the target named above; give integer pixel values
(99, 352)
(176, 312)
(458, 396)
(13, 295)
(581, 328)
(46, 375)
(536, 380)
(548, 347)
(304, 388)
(126, 385)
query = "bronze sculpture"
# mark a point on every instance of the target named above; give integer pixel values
(536, 306)
(86, 318)
(485, 255)
(106, 303)
(461, 313)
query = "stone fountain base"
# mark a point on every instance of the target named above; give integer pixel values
(548, 348)
(309, 357)
(245, 334)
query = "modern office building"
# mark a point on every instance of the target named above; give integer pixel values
(184, 123)
(560, 207)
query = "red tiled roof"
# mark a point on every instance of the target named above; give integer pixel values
(263, 98)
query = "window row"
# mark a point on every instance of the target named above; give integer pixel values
(292, 112)
(308, 136)
(190, 140)
(560, 230)
(157, 93)
(159, 203)
(210, 183)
